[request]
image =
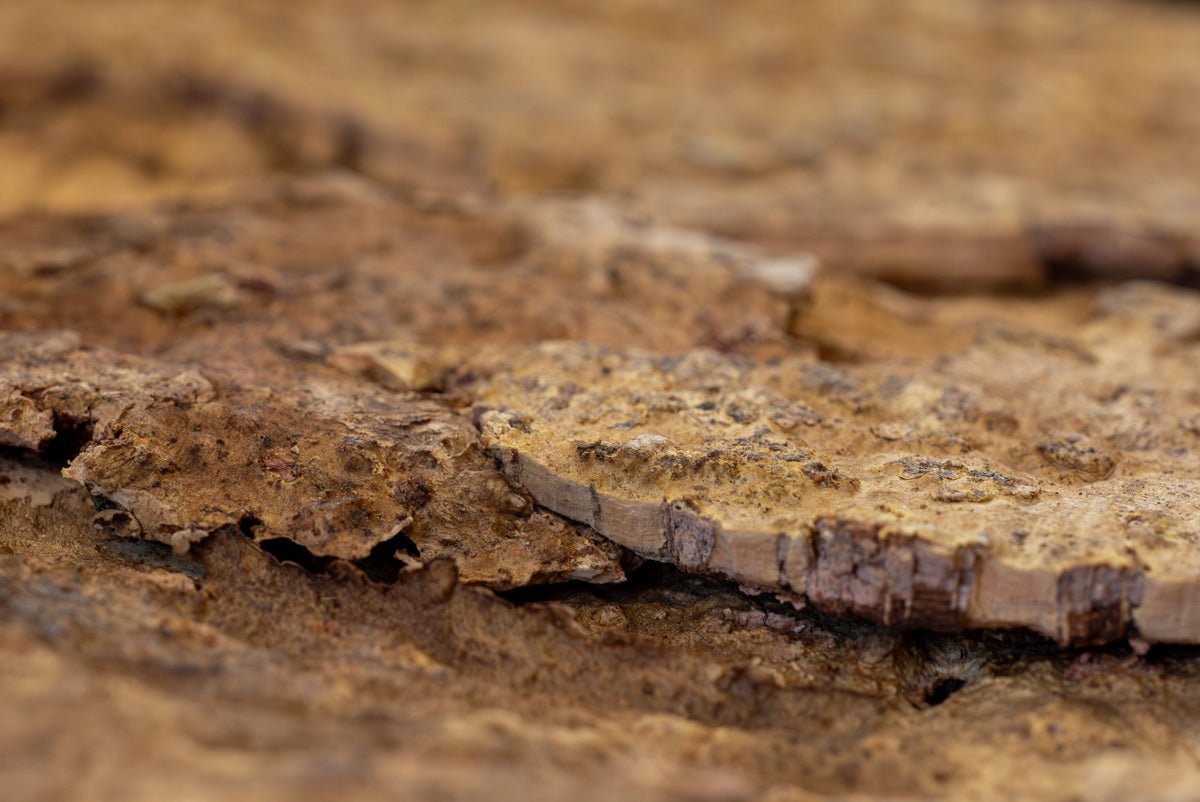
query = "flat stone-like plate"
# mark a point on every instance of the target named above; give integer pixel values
(1038, 469)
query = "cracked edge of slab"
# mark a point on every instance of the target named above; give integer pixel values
(864, 568)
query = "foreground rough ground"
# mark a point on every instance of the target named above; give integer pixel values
(129, 670)
(488, 403)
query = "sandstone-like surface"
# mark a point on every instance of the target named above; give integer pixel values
(1041, 476)
(978, 146)
(559, 400)
(326, 471)
(224, 669)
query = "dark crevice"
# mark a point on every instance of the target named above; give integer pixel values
(1073, 271)
(659, 579)
(648, 576)
(547, 593)
(382, 565)
(1084, 253)
(943, 689)
(289, 551)
(247, 524)
(71, 435)
(150, 554)
(103, 503)
(41, 461)
(1179, 658)
(1005, 649)
(666, 583)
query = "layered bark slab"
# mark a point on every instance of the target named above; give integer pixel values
(1043, 478)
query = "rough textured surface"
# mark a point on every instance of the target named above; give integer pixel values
(307, 266)
(1027, 475)
(974, 145)
(226, 672)
(336, 471)
(342, 346)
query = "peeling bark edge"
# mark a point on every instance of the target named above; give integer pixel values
(847, 566)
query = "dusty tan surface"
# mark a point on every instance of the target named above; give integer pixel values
(462, 401)
(131, 672)
(1027, 475)
(933, 144)
(340, 473)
